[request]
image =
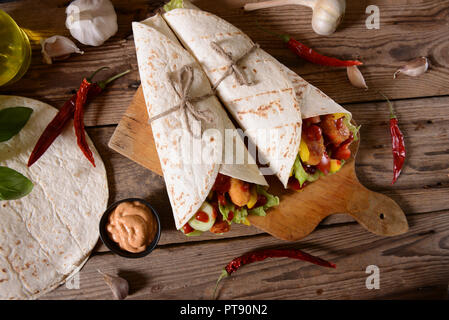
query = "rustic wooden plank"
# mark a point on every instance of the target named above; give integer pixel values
(407, 263)
(422, 187)
(408, 29)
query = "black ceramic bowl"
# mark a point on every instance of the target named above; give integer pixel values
(113, 246)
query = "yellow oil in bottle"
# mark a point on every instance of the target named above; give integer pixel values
(15, 50)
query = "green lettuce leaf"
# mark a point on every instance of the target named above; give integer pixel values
(194, 233)
(351, 127)
(174, 4)
(301, 175)
(240, 215)
(271, 202)
(225, 209)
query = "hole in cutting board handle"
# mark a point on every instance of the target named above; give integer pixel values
(381, 216)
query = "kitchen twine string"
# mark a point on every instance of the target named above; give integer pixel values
(182, 83)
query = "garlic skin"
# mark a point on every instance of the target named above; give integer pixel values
(414, 68)
(118, 285)
(58, 48)
(327, 14)
(91, 22)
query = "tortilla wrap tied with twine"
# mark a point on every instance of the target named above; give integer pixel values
(197, 29)
(161, 58)
(47, 236)
(313, 102)
(266, 108)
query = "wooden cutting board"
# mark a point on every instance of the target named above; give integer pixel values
(299, 212)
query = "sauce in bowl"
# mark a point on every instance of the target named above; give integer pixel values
(133, 226)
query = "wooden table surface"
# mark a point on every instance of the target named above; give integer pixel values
(413, 265)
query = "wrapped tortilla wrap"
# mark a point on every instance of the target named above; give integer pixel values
(267, 108)
(313, 102)
(161, 57)
(197, 29)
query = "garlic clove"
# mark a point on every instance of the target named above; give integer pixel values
(356, 77)
(118, 285)
(414, 67)
(58, 48)
(91, 22)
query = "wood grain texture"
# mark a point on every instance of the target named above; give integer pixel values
(298, 213)
(412, 266)
(409, 263)
(408, 29)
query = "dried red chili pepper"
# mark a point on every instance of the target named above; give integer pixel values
(78, 119)
(397, 142)
(310, 55)
(67, 111)
(260, 255)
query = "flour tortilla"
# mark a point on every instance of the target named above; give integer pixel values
(47, 236)
(269, 106)
(159, 55)
(313, 102)
(197, 29)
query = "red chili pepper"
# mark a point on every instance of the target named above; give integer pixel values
(57, 125)
(309, 54)
(260, 255)
(397, 142)
(78, 121)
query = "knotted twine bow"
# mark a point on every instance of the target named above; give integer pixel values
(183, 83)
(233, 67)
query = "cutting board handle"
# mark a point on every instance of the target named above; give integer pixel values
(376, 212)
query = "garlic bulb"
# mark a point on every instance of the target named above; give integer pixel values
(58, 48)
(327, 14)
(91, 22)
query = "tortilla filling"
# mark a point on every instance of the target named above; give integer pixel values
(324, 148)
(231, 200)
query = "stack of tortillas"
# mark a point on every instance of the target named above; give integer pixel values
(47, 236)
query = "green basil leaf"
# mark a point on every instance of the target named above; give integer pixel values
(13, 185)
(12, 120)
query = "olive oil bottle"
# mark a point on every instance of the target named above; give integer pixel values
(15, 50)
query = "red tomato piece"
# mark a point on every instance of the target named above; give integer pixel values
(325, 164)
(202, 216)
(187, 228)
